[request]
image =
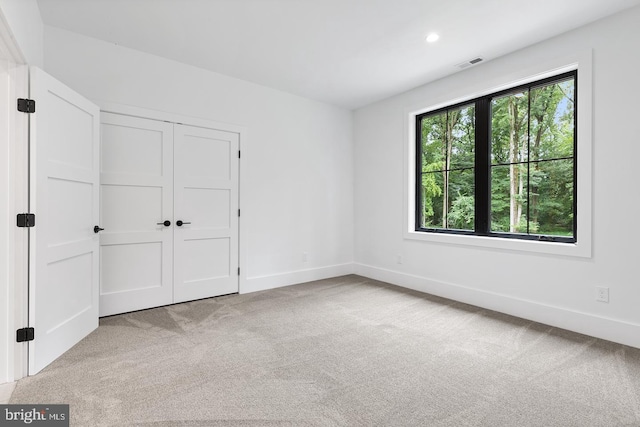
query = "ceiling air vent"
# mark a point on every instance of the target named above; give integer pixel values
(469, 63)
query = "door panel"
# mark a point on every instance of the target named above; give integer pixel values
(68, 292)
(131, 267)
(63, 285)
(70, 148)
(206, 195)
(206, 259)
(70, 210)
(208, 207)
(136, 194)
(143, 203)
(116, 156)
(208, 157)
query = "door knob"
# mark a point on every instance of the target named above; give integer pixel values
(179, 223)
(166, 223)
(97, 229)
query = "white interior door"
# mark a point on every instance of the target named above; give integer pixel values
(206, 201)
(136, 199)
(63, 290)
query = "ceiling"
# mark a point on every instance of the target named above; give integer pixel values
(348, 53)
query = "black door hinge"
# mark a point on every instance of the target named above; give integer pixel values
(26, 220)
(238, 271)
(26, 105)
(238, 153)
(25, 334)
(238, 212)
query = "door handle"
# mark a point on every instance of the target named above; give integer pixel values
(97, 229)
(179, 223)
(166, 223)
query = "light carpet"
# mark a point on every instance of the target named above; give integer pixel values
(340, 352)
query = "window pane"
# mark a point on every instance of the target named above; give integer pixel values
(448, 158)
(509, 125)
(551, 206)
(461, 200)
(432, 196)
(461, 135)
(457, 200)
(509, 198)
(433, 142)
(431, 164)
(552, 121)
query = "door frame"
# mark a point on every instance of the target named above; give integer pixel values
(14, 187)
(144, 113)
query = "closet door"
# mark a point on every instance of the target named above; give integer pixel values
(63, 265)
(136, 199)
(206, 212)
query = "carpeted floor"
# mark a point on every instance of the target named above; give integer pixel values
(340, 352)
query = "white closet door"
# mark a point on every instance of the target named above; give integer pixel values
(135, 199)
(206, 200)
(63, 285)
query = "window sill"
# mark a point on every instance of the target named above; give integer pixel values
(550, 248)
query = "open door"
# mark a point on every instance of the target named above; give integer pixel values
(64, 196)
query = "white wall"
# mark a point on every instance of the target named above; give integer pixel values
(23, 17)
(556, 290)
(297, 162)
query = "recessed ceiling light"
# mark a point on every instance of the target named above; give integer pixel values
(433, 37)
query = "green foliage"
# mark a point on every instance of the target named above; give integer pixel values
(448, 156)
(508, 119)
(462, 214)
(430, 190)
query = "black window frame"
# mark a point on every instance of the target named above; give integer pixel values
(482, 164)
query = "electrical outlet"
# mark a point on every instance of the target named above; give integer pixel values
(602, 294)
(399, 259)
(305, 257)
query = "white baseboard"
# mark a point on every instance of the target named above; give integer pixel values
(261, 283)
(5, 392)
(584, 323)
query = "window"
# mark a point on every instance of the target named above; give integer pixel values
(502, 165)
